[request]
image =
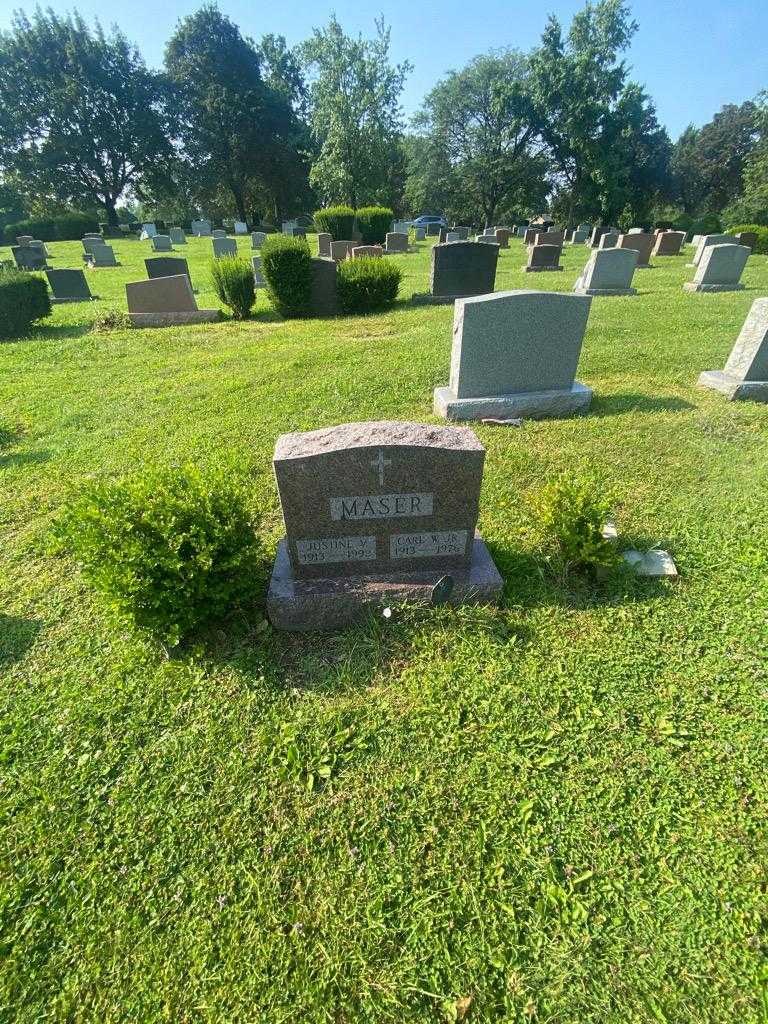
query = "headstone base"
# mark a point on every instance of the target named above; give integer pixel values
(325, 604)
(691, 286)
(605, 291)
(197, 316)
(427, 299)
(59, 302)
(528, 405)
(735, 390)
(536, 270)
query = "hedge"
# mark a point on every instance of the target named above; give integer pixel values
(23, 299)
(367, 283)
(373, 223)
(66, 227)
(337, 221)
(761, 246)
(287, 267)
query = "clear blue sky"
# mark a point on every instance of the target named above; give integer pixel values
(691, 55)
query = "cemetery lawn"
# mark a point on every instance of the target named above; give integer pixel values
(551, 812)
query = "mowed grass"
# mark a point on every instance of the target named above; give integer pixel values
(550, 812)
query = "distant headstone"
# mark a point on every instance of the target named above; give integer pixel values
(258, 238)
(288, 226)
(529, 236)
(706, 240)
(433, 230)
(396, 241)
(28, 257)
(579, 236)
(377, 513)
(597, 234)
(223, 246)
(178, 237)
(521, 230)
(219, 233)
(258, 274)
(453, 236)
(502, 237)
(635, 231)
(420, 233)
(167, 266)
(515, 354)
(165, 301)
(459, 269)
(323, 288)
(586, 227)
(543, 258)
(608, 272)
(720, 269)
(26, 239)
(162, 243)
(100, 256)
(68, 286)
(201, 228)
(745, 376)
(402, 226)
(548, 238)
(487, 239)
(608, 240)
(748, 238)
(324, 240)
(462, 232)
(36, 243)
(367, 250)
(642, 243)
(149, 230)
(342, 250)
(668, 243)
(241, 228)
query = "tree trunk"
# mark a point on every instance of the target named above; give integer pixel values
(109, 206)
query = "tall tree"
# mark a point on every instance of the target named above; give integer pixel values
(576, 81)
(687, 171)
(233, 126)
(479, 130)
(755, 197)
(354, 113)
(82, 120)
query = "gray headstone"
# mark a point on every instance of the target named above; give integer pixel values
(543, 257)
(746, 372)
(433, 230)
(324, 240)
(521, 230)
(515, 353)
(608, 272)
(377, 513)
(28, 257)
(201, 228)
(579, 236)
(706, 240)
(219, 233)
(420, 233)
(178, 237)
(487, 239)
(502, 237)
(241, 228)
(167, 266)
(668, 243)
(549, 238)
(26, 239)
(342, 250)
(161, 295)
(224, 247)
(641, 242)
(101, 256)
(149, 230)
(460, 269)
(453, 236)
(462, 232)
(323, 291)
(597, 234)
(258, 238)
(258, 274)
(396, 241)
(68, 285)
(719, 269)
(162, 243)
(608, 240)
(367, 250)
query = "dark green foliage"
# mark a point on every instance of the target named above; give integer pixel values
(169, 548)
(287, 268)
(338, 221)
(373, 223)
(42, 229)
(111, 320)
(72, 226)
(64, 227)
(367, 283)
(569, 515)
(233, 282)
(761, 246)
(23, 299)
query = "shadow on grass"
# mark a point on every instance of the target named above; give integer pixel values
(618, 405)
(16, 637)
(10, 437)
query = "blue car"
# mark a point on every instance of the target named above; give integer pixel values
(427, 219)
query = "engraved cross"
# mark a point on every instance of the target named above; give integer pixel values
(379, 463)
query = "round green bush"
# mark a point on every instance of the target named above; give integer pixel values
(287, 267)
(169, 549)
(23, 300)
(373, 223)
(337, 221)
(233, 282)
(70, 227)
(367, 283)
(761, 246)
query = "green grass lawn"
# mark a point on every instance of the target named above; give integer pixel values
(555, 810)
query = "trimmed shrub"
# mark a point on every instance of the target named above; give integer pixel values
(761, 246)
(338, 221)
(169, 549)
(23, 299)
(70, 227)
(367, 283)
(568, 517)
(287, 267)
(44, 230)
(233, 282)
(373, 223)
